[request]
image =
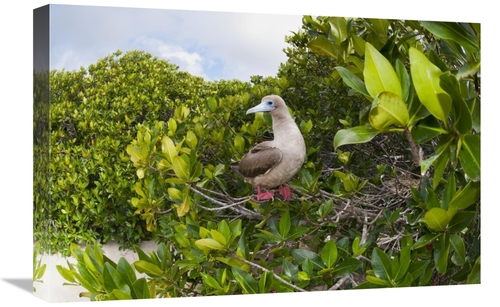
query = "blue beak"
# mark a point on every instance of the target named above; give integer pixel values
(264, 106)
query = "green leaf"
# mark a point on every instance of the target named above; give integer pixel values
(168, 148)
(466, 197)
(219, 237)
(127, 272)
(358, 44)
(462, 116)
(348, 266)
(284, 225)
(329, 254)
(437, 218)
(441, 252)
(404, 263)
(355, 135)
(322, 46)
(459, 247)
(426, 129)
(66, 274)
(475, 274)
(208, 244)
(356, 249)
(175, 194)
(191, 139)
(246, 281)
(117, 294)
(470, 156)
(113, 280)
(265, 282)
(239, 143)
(416, 268)
(300, 255)
(148, 268)
(289, 270)
(404, 79)
(353, 81)
(388, 109)
(87, 279)
(181, 168)
(460, 221)
(426, 80)
(210, 281)
(141, 289)
(377, 281)
(453, 31)
(416, 109)
(338, 29)
(379, 74)
(381, 264)
(224, 229)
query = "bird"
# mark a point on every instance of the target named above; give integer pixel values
(274, 163)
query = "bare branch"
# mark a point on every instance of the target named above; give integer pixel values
(254, 265)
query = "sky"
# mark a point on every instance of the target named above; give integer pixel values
(212, 45)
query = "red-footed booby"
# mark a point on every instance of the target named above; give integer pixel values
(273, 163)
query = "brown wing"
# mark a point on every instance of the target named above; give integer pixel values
(260, 160)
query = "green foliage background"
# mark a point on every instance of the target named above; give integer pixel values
(389, 195)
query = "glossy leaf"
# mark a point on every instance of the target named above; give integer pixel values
(404, 79)
(441, 252)
(289, 270)
(140, 288)
(475, 274)
(168, 148)
(191, 139)
(470, 156)
(284, 225)
(219, 237)
(347, 266)
(381, 264)
(127, 272)
(460, 221)
(426, 80)
(301, 255)
(352, 80)
(338, 29)
(210, 281)
(329, 254)
(117, 294)
(323, 46)
(466, 197)
(245, 280)
(437, 218)
(148, 268)
(426, 129)
(113, 280)
(462, 115)
(404, 263)
(453, 31)
(459, 249)
(379, 74)
(388, 109)
(355, 135)
(181, 168)
(208, 244)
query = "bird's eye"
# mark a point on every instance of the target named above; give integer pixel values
(270, 103)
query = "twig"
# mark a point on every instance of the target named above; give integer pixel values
(222, 205)
(339, 283)
(268, 271)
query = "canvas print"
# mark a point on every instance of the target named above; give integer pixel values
(193, 154)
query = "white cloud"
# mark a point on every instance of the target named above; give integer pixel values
(192, 62)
